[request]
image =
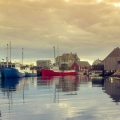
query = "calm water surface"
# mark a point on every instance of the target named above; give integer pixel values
(60, 98)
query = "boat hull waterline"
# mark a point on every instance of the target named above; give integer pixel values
(46, 72)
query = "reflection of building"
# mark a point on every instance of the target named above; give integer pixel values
(112, 88)
(68, 83)
(44, 81)
(97, 82)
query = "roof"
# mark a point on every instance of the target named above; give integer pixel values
(68, 56)
(97, 62)
(114, 53)
(83, 63)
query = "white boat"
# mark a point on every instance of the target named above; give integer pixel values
(94, 75)
(30, 73)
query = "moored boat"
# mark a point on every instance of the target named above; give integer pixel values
(29, 74)
(11, 73)
(49, 72)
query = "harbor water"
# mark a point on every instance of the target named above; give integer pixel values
(60, 98)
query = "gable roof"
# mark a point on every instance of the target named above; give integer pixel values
(83, 63)
(97, 62)
(114, 53)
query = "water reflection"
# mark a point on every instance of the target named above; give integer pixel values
(61, 98)
(68, 84)
(112, 88)
(97, 81)
(9, 84)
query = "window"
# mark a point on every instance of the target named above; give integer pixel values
(118, 62)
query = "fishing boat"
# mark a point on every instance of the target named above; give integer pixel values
(57, 72)
(11, 73)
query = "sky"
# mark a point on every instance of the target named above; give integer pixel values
(89, 28)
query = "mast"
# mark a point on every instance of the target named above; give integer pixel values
(54, 52)
(7, 56)
(58, 63)
(10, 54)
(22, 56)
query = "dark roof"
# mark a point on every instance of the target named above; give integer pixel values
(83, 63)
(114, 53)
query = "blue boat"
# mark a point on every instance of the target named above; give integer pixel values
(11, 73)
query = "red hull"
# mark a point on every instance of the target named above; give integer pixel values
(46, 72)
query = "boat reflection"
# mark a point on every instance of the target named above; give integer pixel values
(9, 84)
(97, 81)
(64, 83)
(112, 88)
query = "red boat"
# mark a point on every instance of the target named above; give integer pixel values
(47, 72)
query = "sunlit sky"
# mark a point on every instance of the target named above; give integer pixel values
(90, 28)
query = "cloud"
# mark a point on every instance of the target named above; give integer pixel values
(79, 26)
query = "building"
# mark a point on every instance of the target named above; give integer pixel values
(97, 62)
(81, 66)
(43, 63)
(112, 61)
(98, 65)
(66, 58)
